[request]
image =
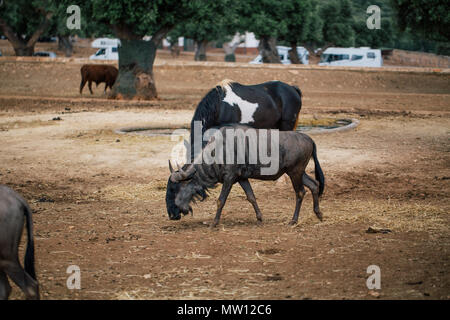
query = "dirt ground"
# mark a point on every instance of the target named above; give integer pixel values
(98, 196)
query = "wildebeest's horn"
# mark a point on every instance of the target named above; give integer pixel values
(170, 167)
(182, 174)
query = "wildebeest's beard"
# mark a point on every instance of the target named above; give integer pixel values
(179, 196)
(172, 210)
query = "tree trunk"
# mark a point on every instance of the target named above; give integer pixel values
(21, 46)
(268, 49)
(293, 54)
(230, 49)
(200, 51)
(135, 80)
(22, 50)
(65, 44)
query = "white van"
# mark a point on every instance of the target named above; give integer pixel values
(349, 57)
(283, 52)
(107, 49)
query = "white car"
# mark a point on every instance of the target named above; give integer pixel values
(48, 54)
(283, 52)
(349, 57)
(107, 49)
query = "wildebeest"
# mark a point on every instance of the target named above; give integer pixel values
(269, 105)
(13, 211)
(98, 74)
(192, 181)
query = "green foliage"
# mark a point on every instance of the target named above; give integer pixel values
(303, 24)
(143, 17)
(213, 20)
(429, 18)
(24, 16)
(407, 24)
(338, 21)
(265, 18)
(89, 27)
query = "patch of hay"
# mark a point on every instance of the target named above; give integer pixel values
(394, 215)
(155, 189)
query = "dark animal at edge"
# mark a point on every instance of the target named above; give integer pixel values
(98, 74)
(13, 211)
(193, 180)
(278, 107)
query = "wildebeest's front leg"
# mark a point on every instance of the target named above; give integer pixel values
(245, 184)
(226, 188)
(5, 288)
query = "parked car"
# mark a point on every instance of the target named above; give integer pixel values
(48, 54)
(107, 49)
(348, 57)
(283, 52)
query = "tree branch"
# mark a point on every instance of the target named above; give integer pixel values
(123, 32)
(10, 34)
(40, 29)
(160, 34)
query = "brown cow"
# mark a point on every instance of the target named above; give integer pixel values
(98, 74)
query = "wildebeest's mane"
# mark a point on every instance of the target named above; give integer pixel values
(203, 182)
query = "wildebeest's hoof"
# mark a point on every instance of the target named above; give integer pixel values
(292, 223)
(319, 216)
(213, 225)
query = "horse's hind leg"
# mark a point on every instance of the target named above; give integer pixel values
(314, 187)
(297, 183)
(5, 288)
(245, 184)
(24, 281)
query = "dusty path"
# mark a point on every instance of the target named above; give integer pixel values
(99, 202)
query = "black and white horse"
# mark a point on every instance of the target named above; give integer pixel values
(269, 105)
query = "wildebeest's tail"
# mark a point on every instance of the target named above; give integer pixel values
(29, 253)
(318, 171)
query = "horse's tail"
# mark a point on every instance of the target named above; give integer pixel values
(318, 171)
(298, 91)
(29, 254)
(298, 113)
